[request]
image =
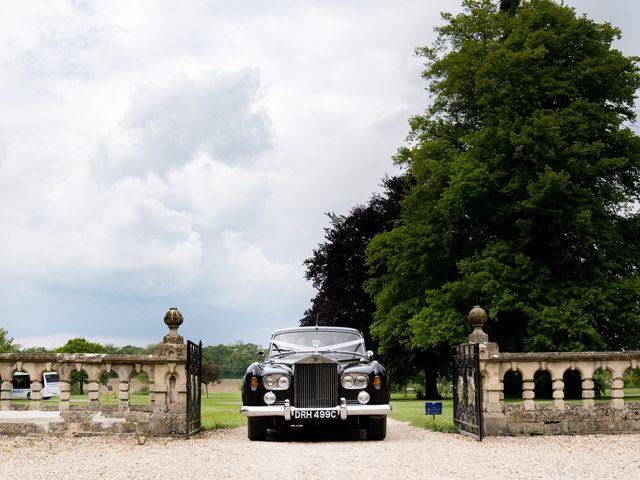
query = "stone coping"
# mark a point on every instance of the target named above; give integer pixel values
(561, 356)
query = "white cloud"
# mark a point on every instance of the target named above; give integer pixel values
(159, 154)
(168, 124)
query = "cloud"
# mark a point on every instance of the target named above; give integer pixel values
(184, 154)
(136, 219)
(167, 125)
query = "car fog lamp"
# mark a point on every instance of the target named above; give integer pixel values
(363, 397)
(269, 398)
(254, 384)
(377, 382)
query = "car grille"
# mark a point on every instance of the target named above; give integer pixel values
(316, 385)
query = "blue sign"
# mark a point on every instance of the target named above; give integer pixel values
(433, 408)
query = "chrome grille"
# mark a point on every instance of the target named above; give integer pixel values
(316, 385)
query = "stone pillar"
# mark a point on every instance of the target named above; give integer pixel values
(65, 395)
(558, 393)
(36, 395)
(159, 396)
(174, 351)
(588, 394)
(617, 393)
(5, 395)
(492, 385)
(493, 389)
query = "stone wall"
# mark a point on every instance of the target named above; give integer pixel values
(166, 413)
(557, 416)
(584, 416)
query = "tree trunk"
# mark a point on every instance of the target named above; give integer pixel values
(431, 383)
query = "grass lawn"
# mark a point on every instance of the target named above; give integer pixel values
(408, 409)
(221, 410)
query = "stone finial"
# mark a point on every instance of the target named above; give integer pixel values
(173, 319)
(477, 318)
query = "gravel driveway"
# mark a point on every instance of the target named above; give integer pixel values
(407, 453)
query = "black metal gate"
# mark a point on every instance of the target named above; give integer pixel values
(467, 390)
(194, 374)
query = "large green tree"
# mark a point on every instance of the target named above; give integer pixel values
(526, 172)
(337, 267)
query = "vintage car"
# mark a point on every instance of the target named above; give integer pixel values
(316, 376)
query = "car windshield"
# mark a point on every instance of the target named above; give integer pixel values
(344, 344)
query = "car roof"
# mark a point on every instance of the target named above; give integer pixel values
(319, 328)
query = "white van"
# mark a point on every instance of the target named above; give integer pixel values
(21, 387)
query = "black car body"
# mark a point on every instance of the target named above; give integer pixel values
(316, 376)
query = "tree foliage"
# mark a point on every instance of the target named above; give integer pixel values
(525, 169)
(211, 374)
(129, 350)
(337, 267)
(81, 345)
(6, 343)
(233, 360)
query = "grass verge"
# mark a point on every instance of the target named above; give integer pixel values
(408, 409)
(221, 410)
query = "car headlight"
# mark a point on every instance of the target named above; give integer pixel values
(353, 381)
(283, 382)
(276, 382)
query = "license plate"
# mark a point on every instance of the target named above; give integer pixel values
(315, 414)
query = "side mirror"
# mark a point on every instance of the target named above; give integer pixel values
(370, 355)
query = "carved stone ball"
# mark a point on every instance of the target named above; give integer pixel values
(477, 316)
(173, 318)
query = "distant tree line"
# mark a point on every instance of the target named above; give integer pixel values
(233, 359)
(218, 361)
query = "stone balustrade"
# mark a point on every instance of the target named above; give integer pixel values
(557, 416)
(166, 371)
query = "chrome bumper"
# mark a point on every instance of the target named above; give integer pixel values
(286, 410)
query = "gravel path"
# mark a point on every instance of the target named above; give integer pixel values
(407, 453)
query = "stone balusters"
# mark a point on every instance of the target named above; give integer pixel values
(36, 394)
(65, 395)
(558, 393)
(617, 393)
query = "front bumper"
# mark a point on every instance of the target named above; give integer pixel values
(286, 410)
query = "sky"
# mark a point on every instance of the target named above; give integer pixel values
(157, 154)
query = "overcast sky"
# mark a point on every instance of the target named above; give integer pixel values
(158, 153)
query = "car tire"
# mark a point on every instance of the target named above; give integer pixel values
(377, 428)
(257, 428)
(29, 396)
